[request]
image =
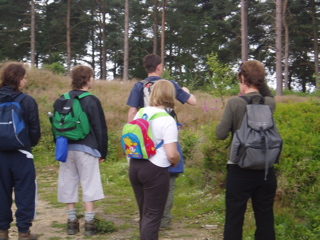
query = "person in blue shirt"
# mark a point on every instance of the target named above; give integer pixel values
(154, 68)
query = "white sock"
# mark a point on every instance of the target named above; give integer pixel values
(89, 216)
(72, 214)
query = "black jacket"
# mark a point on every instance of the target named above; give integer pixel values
(29, 112)
(98, 135)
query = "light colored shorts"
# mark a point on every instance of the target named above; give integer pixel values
(79, 167)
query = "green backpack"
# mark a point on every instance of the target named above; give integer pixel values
(68, 119)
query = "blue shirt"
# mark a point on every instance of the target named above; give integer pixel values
(136, 95)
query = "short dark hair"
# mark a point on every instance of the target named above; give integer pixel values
(12, 74)
(80, 76)
(150, 62)
(253, 72)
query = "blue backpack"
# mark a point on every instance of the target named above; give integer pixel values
(13, 130)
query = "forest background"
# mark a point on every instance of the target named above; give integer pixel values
(61, 33)
(203, 52)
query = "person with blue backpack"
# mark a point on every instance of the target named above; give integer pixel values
(20, 131)
(138, 99)
(150, 177)
(242, 183)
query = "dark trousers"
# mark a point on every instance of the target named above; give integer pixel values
(243, 184)
(17, 173)
(150, 184)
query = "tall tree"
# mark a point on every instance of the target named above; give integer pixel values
(315, 43)
(126, 43)
(32, 30)
(163, 21)
(68, 36)
(244, 30)
(278, 48)
(286, 45)
(155, 26)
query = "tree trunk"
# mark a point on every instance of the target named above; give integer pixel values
(32, 29)
(278, 49)
(244, 30)
(286, 45)
(68, 37)
(163, 31)
(155, 26)
(315, 44)
(126, 43)
(104, 48)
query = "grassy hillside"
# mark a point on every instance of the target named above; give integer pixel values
(200, 190)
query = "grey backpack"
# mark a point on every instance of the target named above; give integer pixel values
(256, 144)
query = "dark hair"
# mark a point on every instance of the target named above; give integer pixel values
(150, 62)
(253, 73)
(12, 74)
(80, 76)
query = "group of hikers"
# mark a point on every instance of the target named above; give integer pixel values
(153, 180)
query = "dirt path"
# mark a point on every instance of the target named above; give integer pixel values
(50, 223)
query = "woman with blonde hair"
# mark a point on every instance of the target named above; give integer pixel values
(150, 177)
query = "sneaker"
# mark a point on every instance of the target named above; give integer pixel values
(4, 234)
(27, 236)
(90, 228)
(73, 227)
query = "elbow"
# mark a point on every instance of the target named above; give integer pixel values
(192, 100)
(174, 158)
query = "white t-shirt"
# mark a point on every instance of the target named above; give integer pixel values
(162, 128)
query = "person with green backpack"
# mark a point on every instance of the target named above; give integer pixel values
(86, 148)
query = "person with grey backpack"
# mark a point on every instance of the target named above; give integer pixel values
(255, 147)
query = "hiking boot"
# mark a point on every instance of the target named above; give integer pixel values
(73, 227)
(27, 236)
(90, 228)
(4, 234)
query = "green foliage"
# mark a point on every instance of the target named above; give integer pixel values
(188, 141)
(215, 152)
(221, 77)
(56, 68)
(104, 226)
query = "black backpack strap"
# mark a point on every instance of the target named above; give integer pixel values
(250, 99)
(19, 97)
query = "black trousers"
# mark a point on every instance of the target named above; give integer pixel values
(150, 184)
(17, 173)
(243, 184)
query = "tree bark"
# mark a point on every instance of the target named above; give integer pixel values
(126, 43)
(68, 37)
(278, 49)
(244, 30)
(315, 44)
(286, 45)
(104, 48)
(155, 26)
(163, 32)
(32, 29)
